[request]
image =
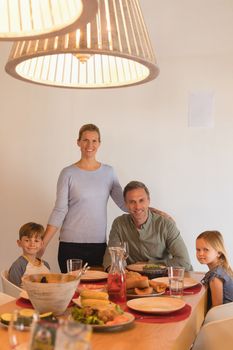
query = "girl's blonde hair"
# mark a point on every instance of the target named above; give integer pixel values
(215, 240)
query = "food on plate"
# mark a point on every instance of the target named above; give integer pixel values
(94, 298)
(95, 302)
(129, 274)
(153, 266)
(137, 282)
(97, 315)
(25, 314)
(96, 287)
(159, 287)
(49, 317)
(97, 309)
(6, 318)
(92, 294)
(143, 291)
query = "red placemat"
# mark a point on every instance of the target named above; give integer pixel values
(192, 290)
(175, 316)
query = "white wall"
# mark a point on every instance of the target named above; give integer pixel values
(145, 136)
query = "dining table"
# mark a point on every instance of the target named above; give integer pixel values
(177, 335)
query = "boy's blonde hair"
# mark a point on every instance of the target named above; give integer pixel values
(215, 240)
(31, 229)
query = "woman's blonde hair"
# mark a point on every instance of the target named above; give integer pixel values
(215, 240)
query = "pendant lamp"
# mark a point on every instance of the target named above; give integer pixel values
(112, 50)
(26, 19)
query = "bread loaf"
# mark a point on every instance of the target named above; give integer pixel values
(159, 287)
(137, 282)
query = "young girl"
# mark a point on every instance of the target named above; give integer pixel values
(210, 250)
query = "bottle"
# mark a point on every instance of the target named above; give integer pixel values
(116, 276)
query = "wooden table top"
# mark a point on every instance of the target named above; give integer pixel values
(160, 336)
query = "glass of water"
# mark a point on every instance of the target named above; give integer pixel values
(74, 266)
(176, 281)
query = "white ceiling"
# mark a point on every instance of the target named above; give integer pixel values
(189, 27)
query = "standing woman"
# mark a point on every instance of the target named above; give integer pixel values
(83, 190)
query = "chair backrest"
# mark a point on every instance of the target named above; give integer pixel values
(8, 287)
(5, 298)
(215, 335)
(219, 312)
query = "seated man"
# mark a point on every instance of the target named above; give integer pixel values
(151, 237)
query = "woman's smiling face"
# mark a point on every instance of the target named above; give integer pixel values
(89, 143)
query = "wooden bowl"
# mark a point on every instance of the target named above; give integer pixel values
(54, 295)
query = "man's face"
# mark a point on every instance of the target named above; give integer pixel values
(137, 202)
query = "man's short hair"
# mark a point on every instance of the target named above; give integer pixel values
(133, 185)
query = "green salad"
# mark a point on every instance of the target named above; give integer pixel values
(89, 315)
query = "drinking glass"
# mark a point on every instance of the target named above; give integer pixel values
(176, 281)
(19, 328)
(74, 266)
(61, 335)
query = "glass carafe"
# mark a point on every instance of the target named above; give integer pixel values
(116, 276)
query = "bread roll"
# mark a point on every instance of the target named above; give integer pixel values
(92, 294)
(148, 290)
(129, 274)
(137, 282)
(159, 287)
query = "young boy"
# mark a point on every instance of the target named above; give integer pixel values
(31, 241)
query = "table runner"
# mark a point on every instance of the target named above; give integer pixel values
(175, 316)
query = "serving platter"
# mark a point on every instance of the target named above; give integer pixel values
(156, 305)
(134, 295)
(94, 275)
(113, 327)
(188, 281)
(138, 267)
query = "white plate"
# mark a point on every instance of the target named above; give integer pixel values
(138, 267)
(153, 294)
(24, 295)
(156, 305)
(130, 319)
(94, 275)
(188, 281)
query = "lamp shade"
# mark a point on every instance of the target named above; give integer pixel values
(26, 19)
(113, 50)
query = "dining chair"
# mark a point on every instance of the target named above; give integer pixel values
(215, 335)
(8, 287)
(219, 312)
(5, 298)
